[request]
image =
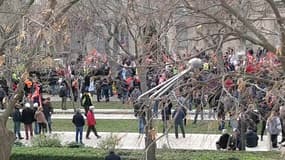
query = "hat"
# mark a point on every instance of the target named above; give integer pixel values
(28, 105)
(78, 110)
(91, 107)
(35, 105)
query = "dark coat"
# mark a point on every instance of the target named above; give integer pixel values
(28, 116)
(178, 115)
(78, 120)
(86, 101)
(47, 109)
(251, 139)
(17, 117)
(166, 112)
(112, 156)
(224, 141)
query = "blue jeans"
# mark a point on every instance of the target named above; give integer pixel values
(141, 124)
(17, 128)
(79, 132)
(181, 125)
(155, 108)
(49, 124)
(124, 97)
(36, 129)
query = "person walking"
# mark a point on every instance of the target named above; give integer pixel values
(273, 126)
(27, 119)
(178, 116)
(78, 121)
(91, 122)
(17, 117)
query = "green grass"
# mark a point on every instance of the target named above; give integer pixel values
(23, 153)
(98, 105)
(210, 127)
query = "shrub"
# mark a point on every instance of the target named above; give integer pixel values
(33, 153)
(109, 143)
(46, 141)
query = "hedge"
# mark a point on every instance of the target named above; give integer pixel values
(29, 153)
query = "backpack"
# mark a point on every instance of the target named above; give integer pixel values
(62, 91)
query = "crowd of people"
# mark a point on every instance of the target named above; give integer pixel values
(257, 106)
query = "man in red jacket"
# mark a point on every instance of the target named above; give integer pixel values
(91, 122)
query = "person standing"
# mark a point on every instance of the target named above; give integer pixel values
(91, 122)
(48, 110)
(27, 119)
(105, 89)
(63, 95)
(165, 113)
(78, 121)
(273, 126)
(178, 116)
(75, 88)
(36, 128)
(86, 102)
(2, 96)
(17, 117)
(282, 120)
(41, 120)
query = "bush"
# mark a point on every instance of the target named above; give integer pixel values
(43, 153)
(32, 153)
(46, 141)
(109, 143)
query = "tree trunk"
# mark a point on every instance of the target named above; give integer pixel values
(6, 141)
(150, 145)
(242, 133)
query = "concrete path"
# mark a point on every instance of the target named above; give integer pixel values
(134, 141)
(117, 116)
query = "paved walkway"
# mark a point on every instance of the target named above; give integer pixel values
(134, 141)
(116, 116)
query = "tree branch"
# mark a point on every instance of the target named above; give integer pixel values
(247, 24)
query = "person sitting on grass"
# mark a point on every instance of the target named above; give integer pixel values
(251, 138)
(78, 121)
(224, 141)
(112, 156)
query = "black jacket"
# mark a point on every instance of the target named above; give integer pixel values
(251, 139)
(47, 109)
(224, 140)
(17, 115)
(28, 116)
(86, 101)
(78, 120)
(112, 156)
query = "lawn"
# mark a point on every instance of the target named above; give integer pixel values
(210, 127)
(98, 105)
(23, 153)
